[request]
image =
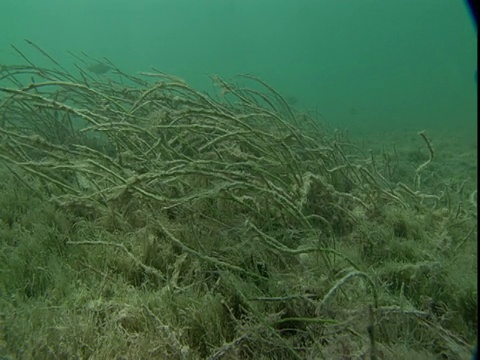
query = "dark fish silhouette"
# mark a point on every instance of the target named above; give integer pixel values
(291, 100)
(99, 68)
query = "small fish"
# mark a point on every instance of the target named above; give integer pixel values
(99, 68)
(291, 100)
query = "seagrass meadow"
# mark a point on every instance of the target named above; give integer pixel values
(143, 219)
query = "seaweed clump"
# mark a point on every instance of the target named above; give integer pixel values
(141, 218)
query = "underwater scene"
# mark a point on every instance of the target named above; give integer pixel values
(228, 179)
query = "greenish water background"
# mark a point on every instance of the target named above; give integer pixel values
(370, 65)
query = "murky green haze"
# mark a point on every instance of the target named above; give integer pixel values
(367, 65)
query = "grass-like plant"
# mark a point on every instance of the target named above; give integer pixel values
(141, 218)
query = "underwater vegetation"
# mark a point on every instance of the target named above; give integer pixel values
(143, 219)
